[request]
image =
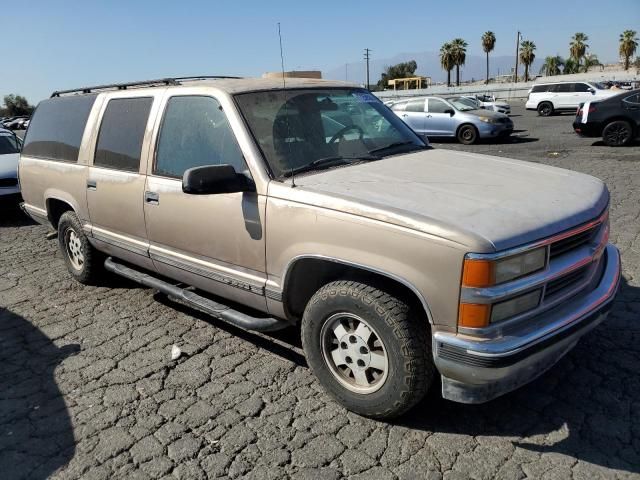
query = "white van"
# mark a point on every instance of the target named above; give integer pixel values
(548, 98)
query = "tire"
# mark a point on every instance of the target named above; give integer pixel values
(467, 134)
(545, 109)
(83, 261)
(617, 133)
(360, 325)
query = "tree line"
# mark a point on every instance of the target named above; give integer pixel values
(453, 55)
(15, 105)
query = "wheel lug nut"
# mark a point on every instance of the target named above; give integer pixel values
(348, 360)
(360, 363)
(364, 350)
(343, 345)
(353, 339)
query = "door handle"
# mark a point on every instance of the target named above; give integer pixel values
(405, 115)
(151, 198)
(92, 185)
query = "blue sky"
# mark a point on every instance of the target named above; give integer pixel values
(52, 44)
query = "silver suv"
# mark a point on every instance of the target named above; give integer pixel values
(315, 205)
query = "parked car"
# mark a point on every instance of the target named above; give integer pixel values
(457, 117)
(615, 119)
(548, 98)
(15, 123)
(10, 146)
(315, 204)
(489, 102)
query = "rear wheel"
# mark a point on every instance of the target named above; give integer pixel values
(545, 109)
(83, 261)
(617, 133)
(367, 349)
(467, 134)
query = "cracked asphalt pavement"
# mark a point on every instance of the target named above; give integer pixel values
(88, 388)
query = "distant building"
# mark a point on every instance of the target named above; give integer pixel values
(410, 83)
(294, 74)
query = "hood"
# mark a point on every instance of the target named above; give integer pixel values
(9, 165)
(483, 202)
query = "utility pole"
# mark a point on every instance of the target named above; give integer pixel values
(367, 55)
(517, 55)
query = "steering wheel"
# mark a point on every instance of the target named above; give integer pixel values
(345, 130)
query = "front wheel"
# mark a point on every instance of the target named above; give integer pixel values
(467, 134)
(617, 133)
(83, 261)
(367, 348)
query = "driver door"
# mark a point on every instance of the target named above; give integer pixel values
(213, 242)
(439, 123)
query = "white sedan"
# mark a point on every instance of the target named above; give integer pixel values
(10, 146)
(489, 102)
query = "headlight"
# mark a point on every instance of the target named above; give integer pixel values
(515, 306)
(486, 119)
(485, 273)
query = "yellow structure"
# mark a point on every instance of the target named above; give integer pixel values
(408, 82)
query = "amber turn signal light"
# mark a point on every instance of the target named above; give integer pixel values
(478, 273)
(474, 315)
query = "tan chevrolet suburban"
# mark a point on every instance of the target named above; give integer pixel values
(268, 205)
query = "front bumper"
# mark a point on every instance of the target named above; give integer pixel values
(493, 130)
(476, 371)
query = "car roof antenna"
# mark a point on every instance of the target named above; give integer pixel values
(286, 100)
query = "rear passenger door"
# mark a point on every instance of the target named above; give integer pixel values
(213, 242)
(116, 179)
(414, 115)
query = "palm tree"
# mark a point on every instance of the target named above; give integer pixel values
(570, 66)
(527, 56)
(459, 50)
(578, 47)
(628, 46)
(446, 60)
(552, 65)
(590, 60)
(488, 44)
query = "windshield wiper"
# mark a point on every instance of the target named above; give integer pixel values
(394, 145)
(328, 162)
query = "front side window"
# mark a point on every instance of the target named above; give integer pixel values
(437, 106)
(56, 128)
(311, 129)
(121, 133)
(582, 87)
(9, 144)
(195, 132)
(462, 104)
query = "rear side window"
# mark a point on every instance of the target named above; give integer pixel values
(121, 133)
(415, 106)
(540, 88)
(195, 132)
(56, 128)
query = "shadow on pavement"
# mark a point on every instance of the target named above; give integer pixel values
(11, 215)
(36, 435)
(584, 407)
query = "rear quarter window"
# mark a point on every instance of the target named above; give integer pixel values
(539, 88)
(56, 128)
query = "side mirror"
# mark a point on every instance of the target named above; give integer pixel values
(592, 90)
(450, 111)
(212, 179)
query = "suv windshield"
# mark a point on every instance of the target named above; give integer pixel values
(309, 129)
(462, 104)
(8, 144)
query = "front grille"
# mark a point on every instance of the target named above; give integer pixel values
(565, 283)
(571, 243)
(8, 182)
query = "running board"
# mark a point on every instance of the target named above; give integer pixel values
(215, 309)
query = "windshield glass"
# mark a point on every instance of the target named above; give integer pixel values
(462, 104)
(309, 129)
(8, 144)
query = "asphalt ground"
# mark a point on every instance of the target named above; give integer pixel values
(88, 388)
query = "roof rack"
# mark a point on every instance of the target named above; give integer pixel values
(144, 83)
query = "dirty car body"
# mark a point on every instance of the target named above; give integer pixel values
(313, 203)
